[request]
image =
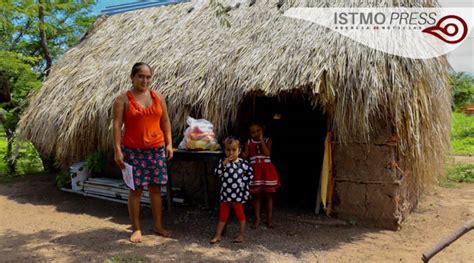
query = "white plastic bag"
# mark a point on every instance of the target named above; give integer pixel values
(199, 136)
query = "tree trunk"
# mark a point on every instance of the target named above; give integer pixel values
(5, 93)
(9, 158)
(43, 38)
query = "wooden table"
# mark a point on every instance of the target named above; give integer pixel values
(206, 157)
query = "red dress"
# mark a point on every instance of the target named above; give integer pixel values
(265, 177)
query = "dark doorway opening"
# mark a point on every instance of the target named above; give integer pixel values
(297, 130)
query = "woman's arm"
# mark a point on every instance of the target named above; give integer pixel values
(165, 124)
(117, 113)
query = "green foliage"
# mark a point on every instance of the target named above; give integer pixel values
(22, 58)
(63, 179)
(125, 259)
(17, 74)
(460, 172)
(96, 162)
(462, 86)
(28, 160)
(65, 21)
(17, 71)
(462, 134)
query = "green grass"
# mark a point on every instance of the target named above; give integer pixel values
(456, 172)
(28, 161)
(460, 172)
(125, 259)
(462, 134)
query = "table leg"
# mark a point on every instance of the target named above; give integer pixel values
(169, 194)
(206, 185)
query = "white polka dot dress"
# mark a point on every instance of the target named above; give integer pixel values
(235, 178)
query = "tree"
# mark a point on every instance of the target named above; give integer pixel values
(462, 86)
(32, 36)
(43, 28)
(17, 71)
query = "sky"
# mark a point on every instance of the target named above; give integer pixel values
(461, 59)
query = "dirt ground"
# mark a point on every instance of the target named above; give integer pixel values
(464, 159)
(40, 223)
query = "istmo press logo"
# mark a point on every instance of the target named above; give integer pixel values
(407, 32)
(451, 29)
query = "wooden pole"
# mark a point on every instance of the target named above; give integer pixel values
(468, 226)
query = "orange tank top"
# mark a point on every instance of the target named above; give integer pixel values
(142, 125)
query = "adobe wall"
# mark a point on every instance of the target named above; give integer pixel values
(369, 188)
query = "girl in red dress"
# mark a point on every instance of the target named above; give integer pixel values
(265, 180)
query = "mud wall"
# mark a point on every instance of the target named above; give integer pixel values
(370, 188)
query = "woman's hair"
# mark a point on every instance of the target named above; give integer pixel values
(230, 140)
(137, 66)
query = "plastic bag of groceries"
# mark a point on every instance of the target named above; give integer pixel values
(199, 136)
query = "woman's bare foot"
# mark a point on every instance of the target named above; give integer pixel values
(215, 240)
(136, 236)
(270, 225)
(238, 239)
(162, 232)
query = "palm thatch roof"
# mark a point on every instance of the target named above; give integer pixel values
(203, 65)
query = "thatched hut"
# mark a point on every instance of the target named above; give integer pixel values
(390, 116)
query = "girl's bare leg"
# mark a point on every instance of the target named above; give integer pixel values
(269, 201)
(217, 237)
(240, 238)
(256, 206)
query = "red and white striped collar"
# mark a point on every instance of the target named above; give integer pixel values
(254, 141)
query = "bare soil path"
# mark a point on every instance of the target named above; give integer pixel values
(40, 223)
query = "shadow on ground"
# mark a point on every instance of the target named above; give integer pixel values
(296, 235)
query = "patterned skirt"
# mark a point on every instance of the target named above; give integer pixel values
(149, 165)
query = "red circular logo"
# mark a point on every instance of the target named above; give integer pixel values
(450, 29)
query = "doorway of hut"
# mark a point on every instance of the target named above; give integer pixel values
(298, 130)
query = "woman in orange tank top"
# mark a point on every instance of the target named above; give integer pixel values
(146, 145)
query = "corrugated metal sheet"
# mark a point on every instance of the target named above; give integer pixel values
(122, 8)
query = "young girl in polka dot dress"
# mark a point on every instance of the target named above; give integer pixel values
(235, 175)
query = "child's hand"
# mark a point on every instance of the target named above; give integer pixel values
(233, 158)
(230, 159)
(226, 161)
